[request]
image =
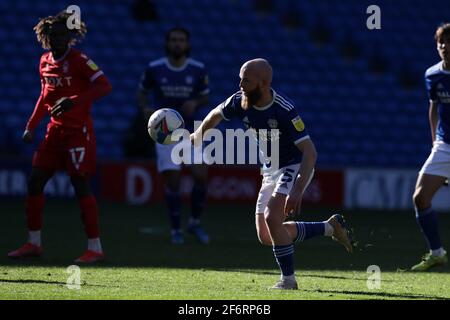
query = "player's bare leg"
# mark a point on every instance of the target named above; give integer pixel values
(198, 199)
(89, 216)
(426, 187)
(262, 230)
(272, 230)
(173, 199)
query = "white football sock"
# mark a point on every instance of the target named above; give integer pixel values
(95, 245)
(34, 237)
(438, 252)
(329, 230)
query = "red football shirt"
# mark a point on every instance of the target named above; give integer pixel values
(70, 76)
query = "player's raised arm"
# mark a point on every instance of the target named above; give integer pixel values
(213, 118)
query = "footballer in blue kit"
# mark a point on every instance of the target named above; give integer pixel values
(279, 114)
(436, 168)
(261, 108)
(181, 83)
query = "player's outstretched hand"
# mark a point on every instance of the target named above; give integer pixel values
(62, 105)
(27, 136)
(292, 205)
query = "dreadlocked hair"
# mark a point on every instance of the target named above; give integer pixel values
(43, 27)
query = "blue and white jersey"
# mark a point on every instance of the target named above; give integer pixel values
(171, 86)
(437, 82)
(279, 114)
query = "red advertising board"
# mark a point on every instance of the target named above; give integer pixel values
(139, 183)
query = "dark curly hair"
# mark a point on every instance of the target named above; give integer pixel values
(43, 27)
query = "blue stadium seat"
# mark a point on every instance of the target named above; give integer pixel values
(364, 112)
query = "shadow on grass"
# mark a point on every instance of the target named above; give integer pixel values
(379, 294)
(300, 274)
(35, 281)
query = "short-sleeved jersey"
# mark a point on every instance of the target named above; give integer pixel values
(171, 86)
(437, 81)
(280, 114)
(68, 76)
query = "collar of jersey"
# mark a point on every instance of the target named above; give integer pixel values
(441, 68)
(274, 94)
(177, 69)
(62, 57)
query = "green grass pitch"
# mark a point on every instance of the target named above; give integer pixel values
(142, 264)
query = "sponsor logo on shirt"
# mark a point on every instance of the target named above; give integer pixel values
(57, 81)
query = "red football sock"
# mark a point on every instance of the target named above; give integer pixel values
(89, 216)
(34, 206)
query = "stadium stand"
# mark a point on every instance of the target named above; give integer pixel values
(356, 116)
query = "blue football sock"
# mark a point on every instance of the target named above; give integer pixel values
(198, 199)
(173, 200)
(285, 258)
(307, 230)
(427, 220)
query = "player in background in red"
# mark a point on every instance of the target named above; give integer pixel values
(70, 83)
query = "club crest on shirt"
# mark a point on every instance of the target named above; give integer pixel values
(272, 123)
(298, 123)
(92, 65)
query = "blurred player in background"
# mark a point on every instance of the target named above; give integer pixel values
(181, 83)
(436, 169)
(261, 108)
(70, 83)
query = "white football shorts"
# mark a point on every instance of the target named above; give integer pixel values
(438, 162)
(279, 181)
